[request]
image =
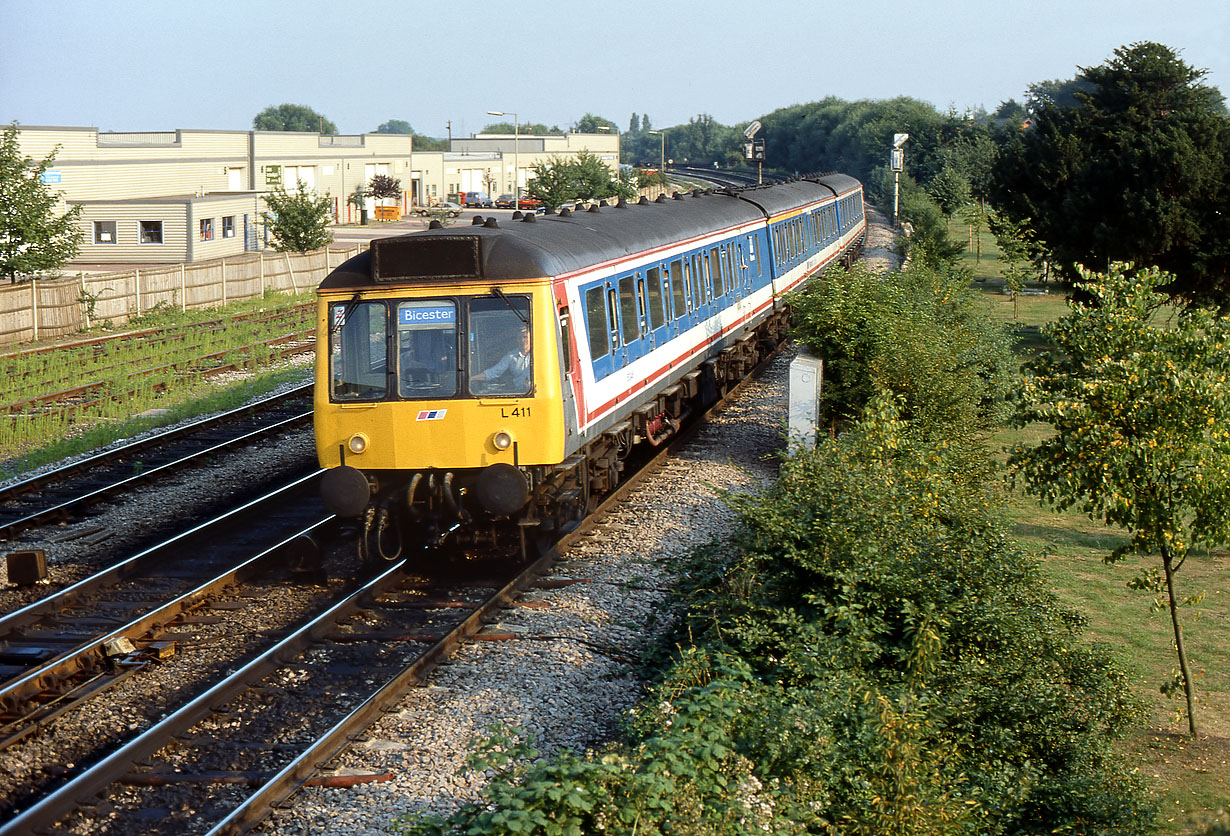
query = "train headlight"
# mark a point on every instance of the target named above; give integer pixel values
(502, 440)
(357, 443)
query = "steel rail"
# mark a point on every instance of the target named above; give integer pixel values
(13, 527)
(142, 629)
(38, 482)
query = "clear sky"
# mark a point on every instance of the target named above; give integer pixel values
(145, 65)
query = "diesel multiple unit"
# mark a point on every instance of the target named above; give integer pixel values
(486, 382)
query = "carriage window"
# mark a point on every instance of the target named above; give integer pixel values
(716, 260)
(629, 322)
(657, 305)
(500, 341)
(676, 278)
(427, 348)
(358, 362)
(595, 322)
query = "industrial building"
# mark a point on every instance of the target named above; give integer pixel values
(191, 195)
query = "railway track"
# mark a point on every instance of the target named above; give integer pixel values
(223, 759)
(68, 492)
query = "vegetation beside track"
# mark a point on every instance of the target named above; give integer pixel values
(155, 373)
(898, 642)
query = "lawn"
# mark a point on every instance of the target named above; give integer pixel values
(1192, 777)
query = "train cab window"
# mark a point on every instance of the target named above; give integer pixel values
(358, 353)
(657, 306)
(501, 360)
(595, 322)
(676, 279)
(629, 320)
(427, 348)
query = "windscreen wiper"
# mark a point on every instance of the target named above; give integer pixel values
(495, 291)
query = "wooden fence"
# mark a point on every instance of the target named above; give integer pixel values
(47, 308)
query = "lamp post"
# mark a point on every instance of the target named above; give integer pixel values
(662, 137)
(516, 147)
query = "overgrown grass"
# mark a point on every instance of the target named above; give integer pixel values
(186, 396)
(29, 437)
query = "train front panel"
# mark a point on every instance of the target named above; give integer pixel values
(438, 378)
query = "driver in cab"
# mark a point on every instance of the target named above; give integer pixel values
(512, 372)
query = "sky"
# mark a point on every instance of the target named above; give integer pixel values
(159, 65)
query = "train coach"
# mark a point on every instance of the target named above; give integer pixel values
(485, 384)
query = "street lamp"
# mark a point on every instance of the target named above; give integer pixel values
(516, 146)
(662, 137)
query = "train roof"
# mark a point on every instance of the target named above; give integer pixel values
(571, 241)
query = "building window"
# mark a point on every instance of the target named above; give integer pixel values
(228, 226)
(207, 229)
(104, 232)
(151, 232)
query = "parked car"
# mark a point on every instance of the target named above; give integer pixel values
(450, 209)
(504, 201)
(528, 202)
(477, 200)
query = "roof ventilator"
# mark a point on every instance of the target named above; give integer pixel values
(516, 216)
(677, 196)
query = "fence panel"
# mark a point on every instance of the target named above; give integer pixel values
(69, 304)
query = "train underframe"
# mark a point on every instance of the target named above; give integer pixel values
(502, 510)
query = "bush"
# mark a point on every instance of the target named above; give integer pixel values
(919, 336)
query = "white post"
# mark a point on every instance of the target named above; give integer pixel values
(86, 302)
(136, 281)
(183, 288)
(34, 306)
(262, 258)
(224, 281)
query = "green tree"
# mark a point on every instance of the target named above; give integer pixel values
(590, 124)
(33, 237)
(299, 220)
(950, 190)
(1140, 413)
(1135, 171)
(292, 117)
(395, 126)
(558, 181)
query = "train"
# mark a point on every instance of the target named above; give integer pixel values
(484, 385)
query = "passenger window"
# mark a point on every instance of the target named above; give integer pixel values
(596, 322)
(657, 306)
(676, 279)
(629, 321)
(716, 261)
(687, 281)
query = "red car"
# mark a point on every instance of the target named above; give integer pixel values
(528, 202)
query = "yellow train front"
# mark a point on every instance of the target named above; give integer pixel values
(439, 393)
